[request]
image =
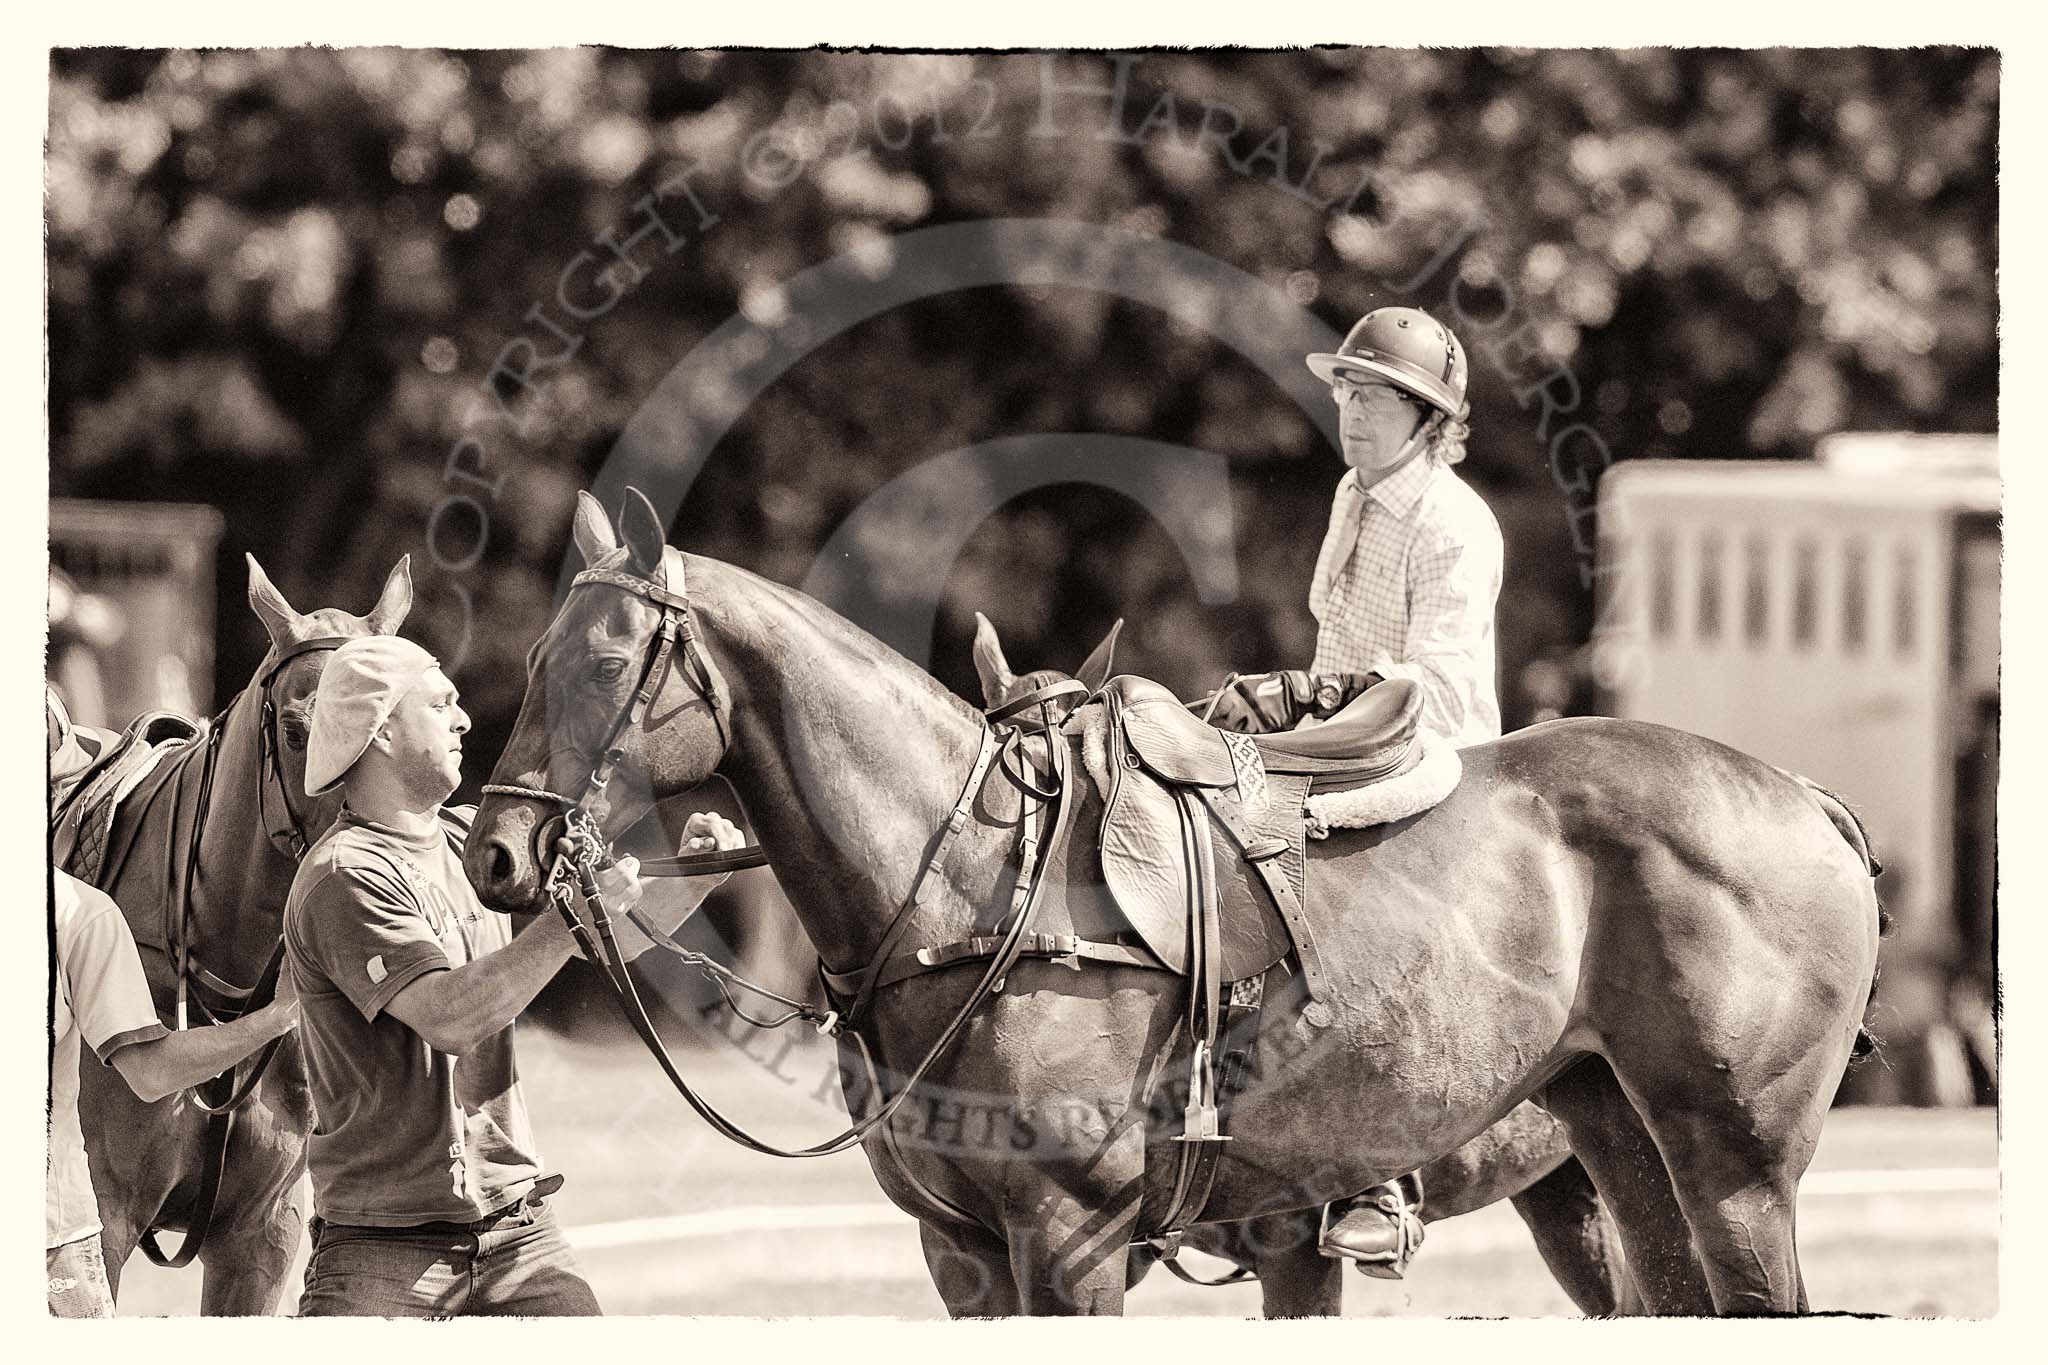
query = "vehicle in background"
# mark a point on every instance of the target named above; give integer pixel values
(131, 607)
(1840, 618)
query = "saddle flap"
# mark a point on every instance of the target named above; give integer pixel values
(94, 800)
(1146, 866)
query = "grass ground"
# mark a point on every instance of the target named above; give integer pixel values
(751, 1235)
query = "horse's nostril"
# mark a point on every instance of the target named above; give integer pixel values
(501, 863)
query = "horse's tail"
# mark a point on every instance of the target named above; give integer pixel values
(1852, 831)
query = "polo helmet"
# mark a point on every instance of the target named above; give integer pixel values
(1410, 350)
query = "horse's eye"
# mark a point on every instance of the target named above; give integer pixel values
(607, 670)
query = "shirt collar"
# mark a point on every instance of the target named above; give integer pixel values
(1401, 490)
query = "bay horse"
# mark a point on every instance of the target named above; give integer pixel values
(1666, 943)
(253, 822)
(1525, 1158)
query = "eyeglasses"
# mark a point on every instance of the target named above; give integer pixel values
(1370, 392)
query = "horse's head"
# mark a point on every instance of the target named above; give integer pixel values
(622, 707)
(287, 679)
(1000, 685)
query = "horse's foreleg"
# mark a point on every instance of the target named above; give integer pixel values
(1073, 1262)
(970, 1267)
(260, 1217)
(117, 1244)
(1295, 1279)
(1576, 1241)
(1608, 1136)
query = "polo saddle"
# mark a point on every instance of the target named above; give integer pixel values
(1168, 780)
(1171, 775)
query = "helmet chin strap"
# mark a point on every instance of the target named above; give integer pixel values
(1409, 450)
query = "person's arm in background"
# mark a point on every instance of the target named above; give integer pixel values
(163, 1066)
(109, 997)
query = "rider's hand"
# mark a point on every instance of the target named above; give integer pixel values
(1262, 703)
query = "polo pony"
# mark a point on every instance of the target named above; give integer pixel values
(1667, 944)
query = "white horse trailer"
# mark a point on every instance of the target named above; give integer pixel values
(1839, 619)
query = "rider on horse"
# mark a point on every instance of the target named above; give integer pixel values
(1404, 587)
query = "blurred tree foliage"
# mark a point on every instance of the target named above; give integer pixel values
(279, 280)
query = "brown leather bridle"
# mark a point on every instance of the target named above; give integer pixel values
(674, 631)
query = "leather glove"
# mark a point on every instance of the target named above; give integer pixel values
(1265, 703)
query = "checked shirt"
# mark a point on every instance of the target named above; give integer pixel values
(1405, 587)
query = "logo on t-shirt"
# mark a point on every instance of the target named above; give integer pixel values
(375, 967)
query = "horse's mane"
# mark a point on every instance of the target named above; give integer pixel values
(818, 617)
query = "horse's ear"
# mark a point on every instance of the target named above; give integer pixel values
(641, 529)
(1094, 670)
(268, 603)
(594, 538)
(394, 602)
(990, 664)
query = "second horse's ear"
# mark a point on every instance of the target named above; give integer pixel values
(989, 663)
(641, 530)
(1094, 670)
(276, 614)
(395, 601)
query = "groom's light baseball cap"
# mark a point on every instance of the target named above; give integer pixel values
(363, 681)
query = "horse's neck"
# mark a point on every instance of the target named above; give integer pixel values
(849, 760)
(239, 893)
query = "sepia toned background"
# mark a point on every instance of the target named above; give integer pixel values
(311, 305)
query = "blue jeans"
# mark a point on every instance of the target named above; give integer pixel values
(78, 1280)
(514, 1264)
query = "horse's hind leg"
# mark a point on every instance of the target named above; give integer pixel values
(1736, 1171)
(1737, 1115)
(1577, 1241)
(1609, 1137)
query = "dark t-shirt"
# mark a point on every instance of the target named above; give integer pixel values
(403, 1134)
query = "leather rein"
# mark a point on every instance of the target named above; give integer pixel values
(581, 850)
